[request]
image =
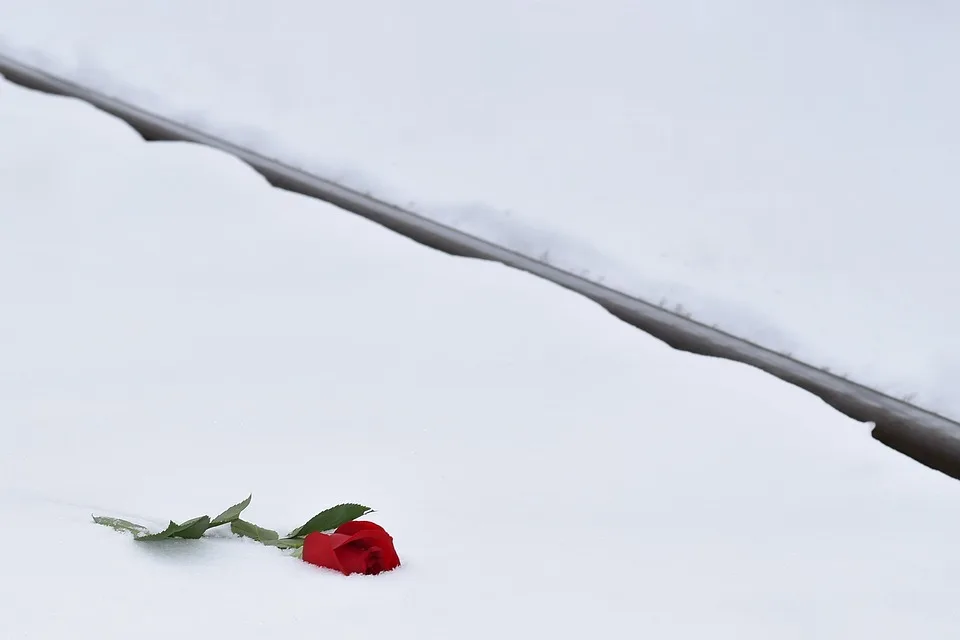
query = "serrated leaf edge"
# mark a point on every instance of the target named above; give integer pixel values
(298, 532)
(226, 516)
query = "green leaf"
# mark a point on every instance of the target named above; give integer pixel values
(249, 530)
(121, 525)
(193, 529)
(331, 519)
(232, 513)
(285, 543)
(190, 530)
(172, 528)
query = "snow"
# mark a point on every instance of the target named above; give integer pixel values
(176, 334)
(783, 171)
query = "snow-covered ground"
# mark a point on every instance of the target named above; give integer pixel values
(174, 333)
(784, 170)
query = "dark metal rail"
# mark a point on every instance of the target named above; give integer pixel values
(923, 435)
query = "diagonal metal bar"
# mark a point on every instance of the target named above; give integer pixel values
(925, 436)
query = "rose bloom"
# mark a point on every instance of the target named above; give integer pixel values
(355, 547)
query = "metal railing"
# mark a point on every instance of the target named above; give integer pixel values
(923, 435)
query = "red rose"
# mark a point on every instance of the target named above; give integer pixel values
(355, 547)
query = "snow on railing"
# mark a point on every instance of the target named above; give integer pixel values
(923, 435)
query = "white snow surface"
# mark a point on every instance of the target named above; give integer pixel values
(783, 170)
(174, 334)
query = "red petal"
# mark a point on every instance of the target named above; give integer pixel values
(338, 539)
(353, 526)
(370, 536)
(318, 550)
(374, 561)
(353, 558)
